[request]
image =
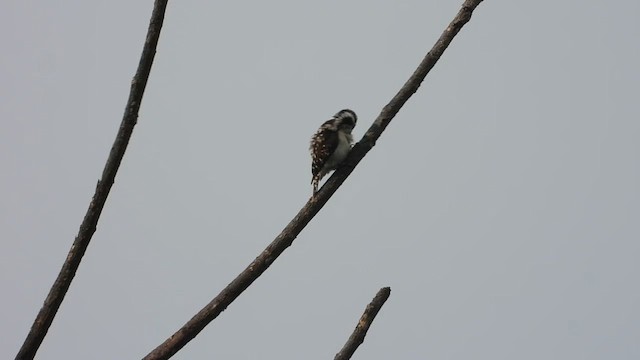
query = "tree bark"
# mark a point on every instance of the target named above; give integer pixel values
(219, 303)
(89, 223)
(357, 337)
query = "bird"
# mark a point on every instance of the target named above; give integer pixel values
(331, 144)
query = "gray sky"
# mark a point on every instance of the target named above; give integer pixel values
(501, 206)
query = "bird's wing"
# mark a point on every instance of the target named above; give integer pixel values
(323, 143)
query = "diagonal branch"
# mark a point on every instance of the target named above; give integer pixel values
(219, 303)
(357, 337)
(88, 227)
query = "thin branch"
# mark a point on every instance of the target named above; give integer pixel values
(88, 227)
(219, 303)
(357, 337)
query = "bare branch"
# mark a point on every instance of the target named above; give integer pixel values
(219, 303)
(88, 227)
(357, 337)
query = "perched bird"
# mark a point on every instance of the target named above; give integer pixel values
(331, 144)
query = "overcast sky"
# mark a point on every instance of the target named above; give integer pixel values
(501, 205)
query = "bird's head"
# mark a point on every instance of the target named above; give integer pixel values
(346, 119)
